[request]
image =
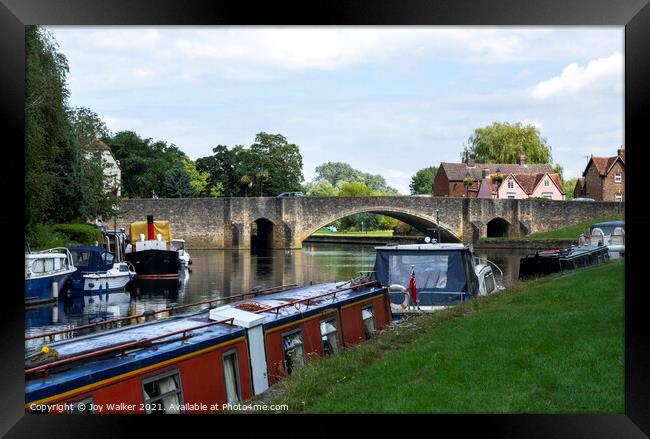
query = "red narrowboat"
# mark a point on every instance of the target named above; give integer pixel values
(202, 362)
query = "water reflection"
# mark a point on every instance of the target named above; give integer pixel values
(225, 273)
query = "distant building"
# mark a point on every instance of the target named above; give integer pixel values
(527, 180)
(603, 178)
(112, 173)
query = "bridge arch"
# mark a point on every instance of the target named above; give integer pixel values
(498, 227)
(262, 232)
(419, 221)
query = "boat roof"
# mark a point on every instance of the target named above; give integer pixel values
(609, 223)
(282, 308)
(89, 248)
(425, 246)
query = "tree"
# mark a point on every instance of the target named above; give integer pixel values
(569, 187)
(322, 188)
(87, 126)
(246, 182)
(502, 143)
(422, 181)
(177, 183)
(338, 172)
(355, 189)
(280, 160)
(198, 179)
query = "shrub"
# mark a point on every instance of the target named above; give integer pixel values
(43, 236)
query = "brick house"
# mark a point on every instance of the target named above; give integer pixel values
(603, 178)
(450, 178)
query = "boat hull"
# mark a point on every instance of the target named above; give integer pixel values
(154, 264)
(40, 289)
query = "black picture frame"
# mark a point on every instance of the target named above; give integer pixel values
(633, 14)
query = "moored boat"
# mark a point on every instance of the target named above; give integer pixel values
(432, 276)
(153, 257)
(98, 271)
(555, 261)
(46, 273)
(184, 258)
(203, 361)
(608, 233)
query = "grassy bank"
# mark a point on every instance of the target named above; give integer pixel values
(325, 232)
(571, 232)
(62, 235)
(546, 346)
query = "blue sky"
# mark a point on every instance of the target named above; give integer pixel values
(387, 100)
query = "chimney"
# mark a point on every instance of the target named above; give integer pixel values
(521, 158)
(485, 172)
(621, 152)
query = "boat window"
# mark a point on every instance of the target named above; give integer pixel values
(368, 315)
(231, 376)
(108, 258)
(430, 270)
(81, 407)
(162, 393)
(294, 352)
(49, 264)
(38, 266)
(489, 282)
(329, 337)
(124, 267)
(57, 263)
(80, 258)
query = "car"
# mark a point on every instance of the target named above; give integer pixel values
(583, 199)
(291, 194)
(332, 229)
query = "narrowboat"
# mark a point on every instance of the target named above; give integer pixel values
(432, 276)
(555, 261)
(153, 257)
(203, 361)
(97, 270)
(46, 273)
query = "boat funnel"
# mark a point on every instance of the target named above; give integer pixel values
(150, 229)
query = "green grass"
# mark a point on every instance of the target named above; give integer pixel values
(43, 236)
(324, 232)
(552, 345)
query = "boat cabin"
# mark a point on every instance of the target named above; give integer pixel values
(444, 273)
(89, 259)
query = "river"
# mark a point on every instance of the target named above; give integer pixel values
(224, 273)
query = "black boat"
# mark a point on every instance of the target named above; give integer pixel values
(555, 261)
(153, 258)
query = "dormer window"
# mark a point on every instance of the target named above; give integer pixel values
(547, 183)
(618, 177)
(511, 184)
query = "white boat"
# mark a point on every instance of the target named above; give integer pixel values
(444, 275)
(46, 273)
(609, 233)
(98, 271)
(184, 258)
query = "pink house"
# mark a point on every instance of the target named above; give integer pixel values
(519, 186)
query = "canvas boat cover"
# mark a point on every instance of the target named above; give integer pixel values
(161, 227)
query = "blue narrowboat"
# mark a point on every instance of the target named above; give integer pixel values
(46, 274)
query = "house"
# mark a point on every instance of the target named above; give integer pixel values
(112, 172)
(451, 177)
(603, 178)
(519, 186)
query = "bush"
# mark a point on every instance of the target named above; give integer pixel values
(402, 229)
(43, 236)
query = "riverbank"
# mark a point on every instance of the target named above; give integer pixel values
(553, 345)
(364, 239)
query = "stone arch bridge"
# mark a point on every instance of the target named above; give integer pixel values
(287, 222)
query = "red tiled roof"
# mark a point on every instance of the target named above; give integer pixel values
(458, 171)
(603, 164)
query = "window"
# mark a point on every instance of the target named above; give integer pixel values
(617, 177)
(49, 264)
(294, 351)
(511, 195)
(231, 376)
(83, 406)
(108, 258)
(511, 184)
(329, 336)
(618, 197)
(80, 258)
(547, 183)
(162, 393)
(548, 195)
(38, 266)
(368, 315)
(489, 283)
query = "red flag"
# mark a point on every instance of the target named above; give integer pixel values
(412, 287)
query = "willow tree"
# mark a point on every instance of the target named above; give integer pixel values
(502, 143)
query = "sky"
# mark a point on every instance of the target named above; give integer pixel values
(386, 100)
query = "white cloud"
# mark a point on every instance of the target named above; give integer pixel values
(598, 74)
